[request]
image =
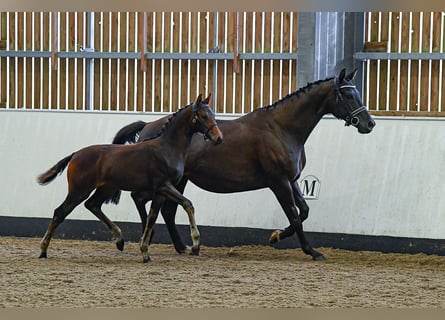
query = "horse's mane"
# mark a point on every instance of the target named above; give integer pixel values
(166, 124)
(296, 93)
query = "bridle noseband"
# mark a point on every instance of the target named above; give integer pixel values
(351, 118)
(196, 119)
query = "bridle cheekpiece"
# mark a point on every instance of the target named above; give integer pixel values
(196, 119)
(351, 118)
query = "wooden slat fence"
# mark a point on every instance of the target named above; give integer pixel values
(153, 61)
(410, 80)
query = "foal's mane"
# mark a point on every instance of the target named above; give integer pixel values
(166, 124)
(297, 93)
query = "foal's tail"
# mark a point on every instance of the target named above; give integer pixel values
(49, 175)
(129, 133)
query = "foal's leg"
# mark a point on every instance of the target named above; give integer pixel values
(71, 201)
(284, 194)
(168, 212)
(303, 213)
(94, 204)
(171, 193)
(156, 204)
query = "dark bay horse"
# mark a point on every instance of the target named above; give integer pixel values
(262, 149)
(153, 167)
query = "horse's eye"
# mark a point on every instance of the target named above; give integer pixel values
(349, 95)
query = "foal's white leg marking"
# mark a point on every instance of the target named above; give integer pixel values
(194, 232)
(117, 233)
(143, 244)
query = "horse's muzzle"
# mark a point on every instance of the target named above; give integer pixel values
(366, 128)
(219, 140)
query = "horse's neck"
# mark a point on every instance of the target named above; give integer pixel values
(298, 115)
(177, 134)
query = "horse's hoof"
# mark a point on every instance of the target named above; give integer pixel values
(319, 257)
(43, 255)
(120, 244)
(195, 251)
(146, 260)
(274, 237)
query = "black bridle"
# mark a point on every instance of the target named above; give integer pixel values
(351, 118)
(196, 119)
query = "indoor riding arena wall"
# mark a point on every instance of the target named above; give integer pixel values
(382, 191)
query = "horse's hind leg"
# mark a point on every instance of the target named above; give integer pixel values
(60, 213)
(156, 204)
(94, 204)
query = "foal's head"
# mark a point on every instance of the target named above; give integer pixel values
(348, 104)
(204, 120)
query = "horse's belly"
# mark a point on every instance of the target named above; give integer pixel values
(226, 182)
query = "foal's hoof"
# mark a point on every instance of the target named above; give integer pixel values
(274, 237)
(43, 255)
(120, 244)
(146, 260)
(195, 251)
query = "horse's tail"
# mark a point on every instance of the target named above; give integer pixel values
(49, 175)
(129, 133)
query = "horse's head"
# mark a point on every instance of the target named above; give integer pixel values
(348, 105)
(204, 120)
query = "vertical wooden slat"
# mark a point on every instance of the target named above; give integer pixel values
(424, 90)
(230, 88)
(98, 63)
(247, 47)
(113, 71)
(383, 68)
(286, 48)
(175, 80)
(28, 72)
(238, 86)
(434, 91)
(148, 75)
(204, 47)
(404, 63)
(3, 60)
(394, 66)
(257, 63)
(166, 103)
(276, 75)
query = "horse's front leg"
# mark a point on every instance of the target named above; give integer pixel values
(156, 204)
(284, 194)
(172, 194)
(140, 199)
(168, 212)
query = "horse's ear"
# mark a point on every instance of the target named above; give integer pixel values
(207, 100)
(352, 75)
(342, 74)
(197, 102)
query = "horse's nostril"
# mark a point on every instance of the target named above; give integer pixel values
(219, 140)
(371, 124)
